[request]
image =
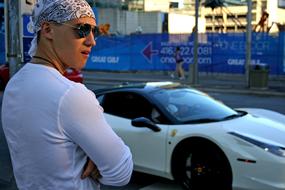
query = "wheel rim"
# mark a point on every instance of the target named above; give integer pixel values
(201, 172)
(198, 169)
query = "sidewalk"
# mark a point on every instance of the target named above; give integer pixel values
(208, 82)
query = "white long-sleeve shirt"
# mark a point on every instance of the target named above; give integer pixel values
(52, 125)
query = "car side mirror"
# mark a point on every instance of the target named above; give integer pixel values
(144, 122)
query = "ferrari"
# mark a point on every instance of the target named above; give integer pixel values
(177, 132)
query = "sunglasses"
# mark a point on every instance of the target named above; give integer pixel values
(83, 30)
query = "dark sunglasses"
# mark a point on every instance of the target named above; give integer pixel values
(83, 30)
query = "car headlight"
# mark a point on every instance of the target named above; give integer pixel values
(276, 150)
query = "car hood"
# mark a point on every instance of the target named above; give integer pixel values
(272, 115)
(259, 128)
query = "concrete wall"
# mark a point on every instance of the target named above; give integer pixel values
(131, 21)
(127, 22)
(157, 5)
(111, 16)
(181, 23)
(151, 22)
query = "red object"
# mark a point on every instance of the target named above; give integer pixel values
(71, 74)
(4, 75)
(74, 75)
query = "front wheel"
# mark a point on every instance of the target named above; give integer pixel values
(203, 168)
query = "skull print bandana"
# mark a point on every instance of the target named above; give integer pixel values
(58, 11)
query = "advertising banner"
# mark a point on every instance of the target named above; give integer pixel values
(220, 53)
(217, 53)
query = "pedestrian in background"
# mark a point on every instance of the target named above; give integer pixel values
(179, 63)
(57, 135)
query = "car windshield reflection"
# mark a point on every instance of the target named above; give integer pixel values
(188, 106)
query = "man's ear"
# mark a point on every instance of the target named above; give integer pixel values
(47, 30)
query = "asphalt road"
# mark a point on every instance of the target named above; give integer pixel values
(143, 181)
(254, 101)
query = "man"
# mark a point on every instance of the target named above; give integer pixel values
(179, 64)
(57, 135)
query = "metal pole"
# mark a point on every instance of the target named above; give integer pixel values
(12, 33)
(248, 40)
(193, 68)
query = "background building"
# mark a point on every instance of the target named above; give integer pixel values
(170, 15)
(266, 17)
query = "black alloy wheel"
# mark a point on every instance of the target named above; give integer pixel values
(204, 168)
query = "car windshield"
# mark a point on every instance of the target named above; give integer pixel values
(188, 106)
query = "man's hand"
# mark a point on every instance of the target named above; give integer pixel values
(90, 169)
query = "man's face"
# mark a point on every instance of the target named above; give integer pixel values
(73, 49)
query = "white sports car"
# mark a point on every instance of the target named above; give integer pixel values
(180, 133)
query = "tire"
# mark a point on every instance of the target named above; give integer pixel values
(203, 167)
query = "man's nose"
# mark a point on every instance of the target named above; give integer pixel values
(90, 40)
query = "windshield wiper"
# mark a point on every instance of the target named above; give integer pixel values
(208, 120)
(203, 120)
(231, 117)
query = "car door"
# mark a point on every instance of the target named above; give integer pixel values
(148, 147)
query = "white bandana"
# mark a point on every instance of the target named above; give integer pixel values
(58, 11)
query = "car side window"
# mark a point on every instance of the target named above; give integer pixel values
(126, 104)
